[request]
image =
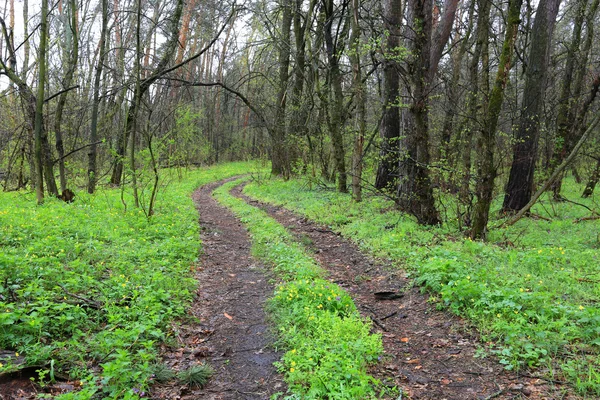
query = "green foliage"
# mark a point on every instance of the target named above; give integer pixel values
(95, 288)
(197, 375)
(535, 300)
(328, 344)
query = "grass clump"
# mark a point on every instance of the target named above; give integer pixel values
(89, 289)
(196, 375)
(329, 345)
(535, 299)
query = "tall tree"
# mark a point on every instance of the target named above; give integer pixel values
(279, 157)
(486, 141)
(415, 191)
(92, 155)
(569, 107)
(360, 100)
(335, 42)
(39, 130)
(389, 129)
(520, 182)
(72, 55)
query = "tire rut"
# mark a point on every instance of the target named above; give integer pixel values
(232, 334)
(431, 354)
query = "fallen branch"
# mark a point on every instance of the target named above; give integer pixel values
(593, 218)
(88, 302)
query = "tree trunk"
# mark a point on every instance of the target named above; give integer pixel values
(161, 69)
(336, 121)
(569, 108)
(39, 105)
(92, 155)
(279, 160)
(70, 73)
(476, 97)
(591, 185)
(359, 90)
(520, 181)
(389, 129)
(486, 143)
(415, 191)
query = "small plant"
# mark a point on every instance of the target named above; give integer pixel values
(196, 376)
(162, 373)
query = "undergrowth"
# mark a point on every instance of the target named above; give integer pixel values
(88, 290)
(328, 344)
(533, 289)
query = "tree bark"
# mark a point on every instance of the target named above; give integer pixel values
(588, 132)
(334, 46)
(415, 191)
(520, 181)
(389, 130)
(39, 131)
(486, 143)
(569, 108)
(62, 100)
(359, 98)
(279, 160)
(92, 155)
(593, 181)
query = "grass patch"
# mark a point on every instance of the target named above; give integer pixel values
(89, 290)
(329, 345)
(535, 300)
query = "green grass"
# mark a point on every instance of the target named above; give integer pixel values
(328, 344)
(535, 300)
(88, 290)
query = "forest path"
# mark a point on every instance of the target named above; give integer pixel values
(429, 353)
(231, 334)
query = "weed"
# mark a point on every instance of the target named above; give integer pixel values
(196, 376)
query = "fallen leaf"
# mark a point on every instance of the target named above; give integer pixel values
(418, 367)
(232, 275)
(445, 381)
(413, 361)
(228, 316)
(404, 340)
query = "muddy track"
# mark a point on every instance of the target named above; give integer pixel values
(429, 353)
(230, 332)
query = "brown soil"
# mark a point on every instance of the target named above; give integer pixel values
(231, 333)
(430, 354)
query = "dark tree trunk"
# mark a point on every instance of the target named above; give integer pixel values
(389, 129)
(279, 155)
(475, 100)
(520, 182)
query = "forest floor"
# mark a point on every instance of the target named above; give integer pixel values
(429, 354)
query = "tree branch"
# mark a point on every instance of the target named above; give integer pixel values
(61, 92)
(556, 173)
